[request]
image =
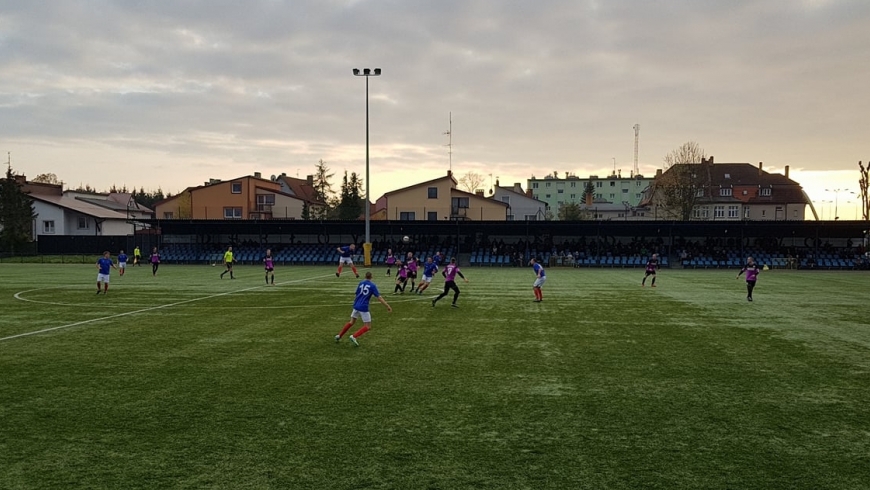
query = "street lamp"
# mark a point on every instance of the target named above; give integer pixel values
(836, 194)
(367, 246)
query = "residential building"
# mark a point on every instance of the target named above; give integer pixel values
(302, 189)
(734, 192)
(74, 213)
(521, 206)
(622, 192)
(246, 197)
(435, 200)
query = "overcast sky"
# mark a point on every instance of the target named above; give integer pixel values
(172, 93)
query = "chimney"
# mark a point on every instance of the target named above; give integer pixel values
(450, 173)
(258, 175)
(310, 179)
(529, 193)
(658, 173)
(478, 192)
(496, 182)
(760, 169)
(786, 171)
(589, 199)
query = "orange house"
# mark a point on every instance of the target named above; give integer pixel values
(248, 197)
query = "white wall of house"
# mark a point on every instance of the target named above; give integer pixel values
(49, 219)
(522, 208)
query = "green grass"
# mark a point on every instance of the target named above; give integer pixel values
(187, 381)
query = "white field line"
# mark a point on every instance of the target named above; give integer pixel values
(143, 310)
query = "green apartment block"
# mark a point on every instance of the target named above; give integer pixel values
(613, 189)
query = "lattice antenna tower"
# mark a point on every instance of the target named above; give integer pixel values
(449, 145)
(636, 137)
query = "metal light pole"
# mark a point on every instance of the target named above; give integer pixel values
(367, 246)
(836, 195)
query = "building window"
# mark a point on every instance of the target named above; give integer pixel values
(407, 216)
(637, 196)
(432, 215)
(168, 215)
(236, 187)
(534, 196)
(84, 224)
(699, 193)
(598, 184)
(718, 211)
(531, 217)
(547, 196)
(547, 184)
(265, 202)
(612, 184)
(725, 191)
(573, 196)
(506, 199)
(637, 184)
(598, 196)
(625, 191)
(510, 217)
(534, 185)
(560, 191)
(48, 227)
(746, 212)
(763, 213)
(573, 184)
(433, 193)
(462, 202)
(613, 196)
(766, 191)
(733, 212)
(232, 213)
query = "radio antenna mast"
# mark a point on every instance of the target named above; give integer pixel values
(636, 134)
(449, 134)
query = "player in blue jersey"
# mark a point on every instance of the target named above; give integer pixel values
(438, 259)
(122, 263)
(104, 264)
(429, 270)
(540, 279)
(346, 259)
(364, 292)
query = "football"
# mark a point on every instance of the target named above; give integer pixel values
(406, 239)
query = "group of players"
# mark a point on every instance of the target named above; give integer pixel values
(405, 271)
(105, 264)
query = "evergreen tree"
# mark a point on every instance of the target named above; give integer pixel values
(323, 188)
(350, 204)
(589, 193)
(16, 214)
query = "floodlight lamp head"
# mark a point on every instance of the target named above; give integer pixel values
(367, 71)
(377, 71)
(356, 71)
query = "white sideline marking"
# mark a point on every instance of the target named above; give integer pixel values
(92, 320)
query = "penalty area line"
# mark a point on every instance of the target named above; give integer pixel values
(152, 308)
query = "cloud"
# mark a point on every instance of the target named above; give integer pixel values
(557, 83)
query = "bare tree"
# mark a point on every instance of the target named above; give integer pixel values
(46, 179)
(862, 185)
(682, 185)
(688, 152)
(471, 181)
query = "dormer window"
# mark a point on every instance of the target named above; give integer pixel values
(766, 191)
(727, 176)
(725, 192)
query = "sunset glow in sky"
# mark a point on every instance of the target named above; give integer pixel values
(170, 94)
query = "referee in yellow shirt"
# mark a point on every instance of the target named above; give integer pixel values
(228, 261)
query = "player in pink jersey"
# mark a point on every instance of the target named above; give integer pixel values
(751, 269)
(391, 260)
(450, 272)
(651, 265)
(401, 277)
(269, 264)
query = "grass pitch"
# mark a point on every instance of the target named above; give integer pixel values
(185, 380)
